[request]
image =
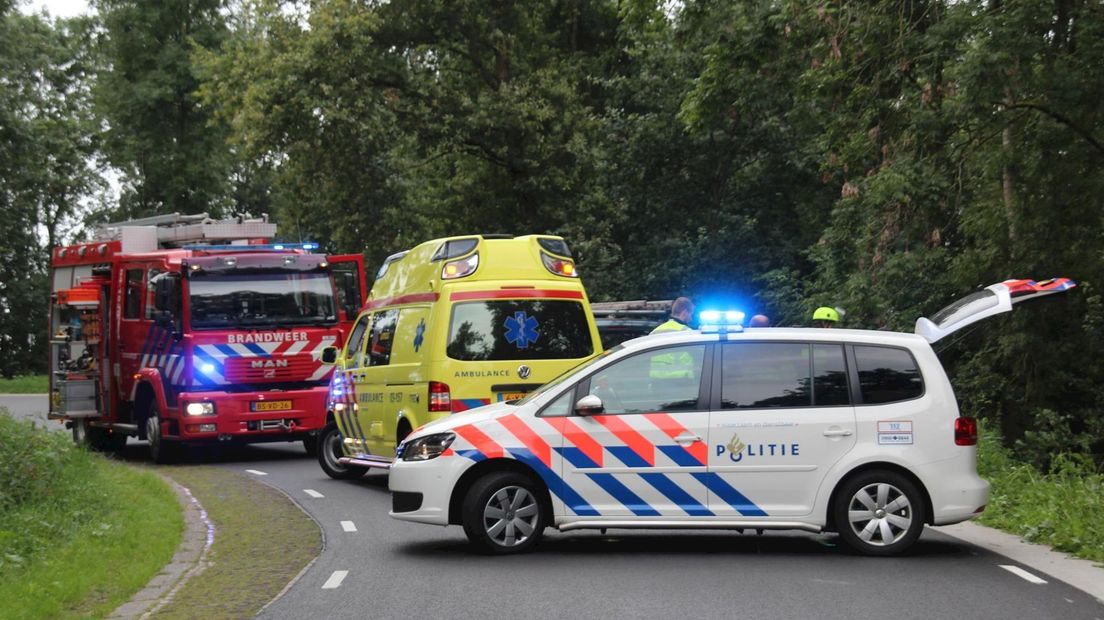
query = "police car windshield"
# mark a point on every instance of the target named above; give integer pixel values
(272, 298)
(567, 375)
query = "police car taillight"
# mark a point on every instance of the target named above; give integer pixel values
(965, 431)
(439, 397)
(460, 268)
(559, 266)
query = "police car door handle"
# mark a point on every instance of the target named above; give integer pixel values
(687, 439)
(837, 432)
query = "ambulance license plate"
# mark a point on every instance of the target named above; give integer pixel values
(270, 405)
(505, 396)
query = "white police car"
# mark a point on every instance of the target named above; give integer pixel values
(813, 429)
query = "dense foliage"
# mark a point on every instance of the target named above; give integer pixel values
(884, 157)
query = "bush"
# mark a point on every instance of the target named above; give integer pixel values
(1063, 508)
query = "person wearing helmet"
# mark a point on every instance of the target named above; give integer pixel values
(825, 317)
(681, 312)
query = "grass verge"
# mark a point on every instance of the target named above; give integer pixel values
(26, 384)
(262, 541)
(79, 534)
(1063, 509)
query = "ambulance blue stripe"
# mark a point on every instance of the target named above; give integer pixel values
(677, 494)
(628, 456)
(576, 457)
(621, 493)
(729, 495)
(568, 495)
(680, 456)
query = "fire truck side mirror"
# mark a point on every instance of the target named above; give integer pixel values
(329, 355)
(166, 292)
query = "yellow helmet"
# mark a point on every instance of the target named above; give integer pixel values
(824, 313)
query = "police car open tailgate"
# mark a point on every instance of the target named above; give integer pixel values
(991, 300)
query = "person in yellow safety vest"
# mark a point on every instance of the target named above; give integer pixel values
(674, 365)
(681, 312)
(825, 317)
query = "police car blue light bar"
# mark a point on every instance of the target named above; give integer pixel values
(721, 321)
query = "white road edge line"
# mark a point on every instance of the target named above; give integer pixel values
(348, 526)
(313, 493)
(1021, 573)
(335, 580)
(255, 472)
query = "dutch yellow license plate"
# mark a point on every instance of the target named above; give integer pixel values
(505, 396)
(271, 405)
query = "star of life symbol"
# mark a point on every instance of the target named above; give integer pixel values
(419, 335)
(521, 330)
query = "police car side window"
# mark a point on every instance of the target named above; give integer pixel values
(383, 337)
(667, 379)
(560, 407)
(758, 375)
(887, 375)
(829, 376)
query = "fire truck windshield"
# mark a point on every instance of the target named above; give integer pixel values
(276, 298)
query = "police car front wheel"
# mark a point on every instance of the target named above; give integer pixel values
(879, 513)
(503, 514)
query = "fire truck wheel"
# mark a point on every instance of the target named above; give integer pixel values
(329, 450)
(310, 444)
(161, 451)
(97, 439)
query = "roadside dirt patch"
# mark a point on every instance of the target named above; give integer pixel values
(262, 541)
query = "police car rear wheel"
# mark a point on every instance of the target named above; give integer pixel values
(879, 513)
(329, 451)
(502, 513)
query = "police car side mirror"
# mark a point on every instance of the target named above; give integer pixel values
(589, 405)
(329, 355)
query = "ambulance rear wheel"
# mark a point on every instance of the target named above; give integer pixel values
(161, 452)
(502, 513)
(329, 451)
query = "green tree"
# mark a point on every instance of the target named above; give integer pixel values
(47, 167)
(173, 157)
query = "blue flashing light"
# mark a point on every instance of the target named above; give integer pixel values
(207, 368)
(250, 248)
(721, 321)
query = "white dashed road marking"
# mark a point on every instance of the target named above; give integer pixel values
(313, 493)
(255, 472)
(348, 526)
(1021, 573)
(335, 579)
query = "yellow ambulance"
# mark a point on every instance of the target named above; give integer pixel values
(451, 325)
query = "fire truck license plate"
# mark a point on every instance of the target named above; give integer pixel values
(270, 405)
(505, 396)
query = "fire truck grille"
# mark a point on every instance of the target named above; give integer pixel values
(276, 368)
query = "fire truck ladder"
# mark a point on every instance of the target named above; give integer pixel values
(175, 230)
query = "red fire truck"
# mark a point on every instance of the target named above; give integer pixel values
(186, 330)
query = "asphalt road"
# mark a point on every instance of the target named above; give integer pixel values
(392, 569)
(376, 567)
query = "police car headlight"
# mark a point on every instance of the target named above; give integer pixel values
(201, 409)
(428, 447)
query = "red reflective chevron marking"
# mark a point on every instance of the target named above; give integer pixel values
(633, 439)
(480, 441)
(584, 442)
(671, 426)
(536, 445)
